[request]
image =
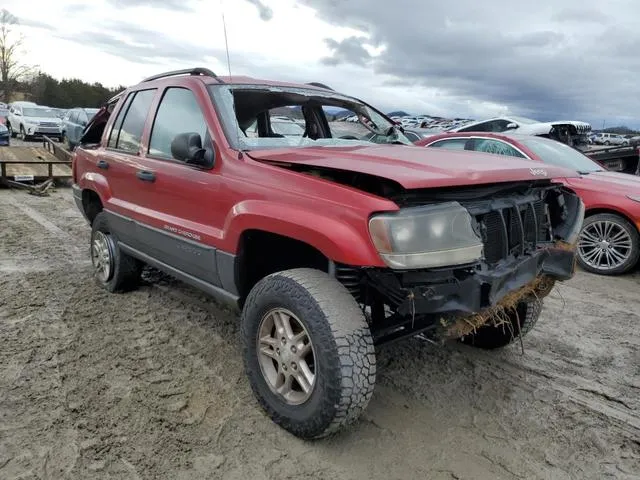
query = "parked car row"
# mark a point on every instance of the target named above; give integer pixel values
(28, 120)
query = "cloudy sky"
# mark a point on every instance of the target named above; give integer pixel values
(546, 59)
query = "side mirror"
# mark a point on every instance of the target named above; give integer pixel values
(187, 147)
(511, 126)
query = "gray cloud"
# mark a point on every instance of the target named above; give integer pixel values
(265, 11)
(350, 50)
(168, 4)
(30, 22)
(137, 44)
(542, 59)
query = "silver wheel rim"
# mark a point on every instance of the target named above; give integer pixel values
(604, 245)
(286, 356)
(101, 257)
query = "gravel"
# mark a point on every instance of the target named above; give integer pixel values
(150, 384)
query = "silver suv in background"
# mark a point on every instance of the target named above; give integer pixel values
(73, 125)
(610, 139)
(28, 120)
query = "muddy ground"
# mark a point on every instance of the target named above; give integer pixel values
(150, 384)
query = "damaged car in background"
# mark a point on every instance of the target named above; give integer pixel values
(571, 132)
(328, 244)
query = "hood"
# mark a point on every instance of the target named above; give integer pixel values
(417, 167)
(42, 120)
(610, 182)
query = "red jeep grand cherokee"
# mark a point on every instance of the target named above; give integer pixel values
(328, 244)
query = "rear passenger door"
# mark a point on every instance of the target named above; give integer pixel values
(119, 162)
(181, 203)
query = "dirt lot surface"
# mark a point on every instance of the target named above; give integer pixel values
(150, 384)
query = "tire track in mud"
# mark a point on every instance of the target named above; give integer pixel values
(35, 288)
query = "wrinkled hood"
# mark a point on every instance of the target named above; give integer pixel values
(417, 167)
(544, 128)
(610, 182)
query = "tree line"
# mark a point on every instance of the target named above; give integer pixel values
(43, 89)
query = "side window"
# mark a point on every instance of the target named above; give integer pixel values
(451, 144)
(73, 118)
(130, 131)
(481, 127)
(82, 118)
(178, 112)
(115, 130)
(496, 147)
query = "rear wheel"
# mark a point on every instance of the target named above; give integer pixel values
(113, 269)
(608, 245)
(519, 322)
(309, 355)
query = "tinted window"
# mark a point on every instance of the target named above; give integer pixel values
(113, 136)
(451, 144)
(178, 112)
(560, 154)
(133, 124)
(497, 147)
(414, 137)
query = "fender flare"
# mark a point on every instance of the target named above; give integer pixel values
(336, 236)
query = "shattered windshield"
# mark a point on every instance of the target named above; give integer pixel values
(323, 118)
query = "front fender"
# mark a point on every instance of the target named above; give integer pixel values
(341, 236)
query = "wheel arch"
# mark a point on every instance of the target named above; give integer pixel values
(590, 212)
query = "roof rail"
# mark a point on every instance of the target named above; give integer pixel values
(321, 85)
(186, 71)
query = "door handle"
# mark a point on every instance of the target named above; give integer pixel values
(103, 164)
(146, 175)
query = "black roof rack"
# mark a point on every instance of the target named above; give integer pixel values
(321, 85)
(187, 71)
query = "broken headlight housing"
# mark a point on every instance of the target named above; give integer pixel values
(428, 236)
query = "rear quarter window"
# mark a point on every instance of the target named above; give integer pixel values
(128, 126)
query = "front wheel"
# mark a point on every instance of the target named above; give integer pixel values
(23, 134)
(308, 353)
(608, 245)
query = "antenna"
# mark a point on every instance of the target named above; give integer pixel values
(226, 46)
(226, 41)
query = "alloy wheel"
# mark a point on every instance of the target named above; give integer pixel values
(286, 356)
(604, 245)
(101, 257)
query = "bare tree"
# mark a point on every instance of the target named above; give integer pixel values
(12, 70)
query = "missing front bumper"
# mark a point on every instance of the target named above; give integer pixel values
(432, 292)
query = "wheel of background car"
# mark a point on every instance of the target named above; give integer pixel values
(607, 142)
(608, 245)
(113, 270)
(23, 134)
(308, 352)
(518, 322)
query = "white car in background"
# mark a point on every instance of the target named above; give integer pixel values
(610, 139)
(572, 132)
(28, 120)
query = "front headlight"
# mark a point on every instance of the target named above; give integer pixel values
(426, 237)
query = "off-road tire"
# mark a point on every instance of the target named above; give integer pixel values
(345, 363)
(521, 320)
(634, 256)
(126, 270)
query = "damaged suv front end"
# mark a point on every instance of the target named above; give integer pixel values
(460, 258)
